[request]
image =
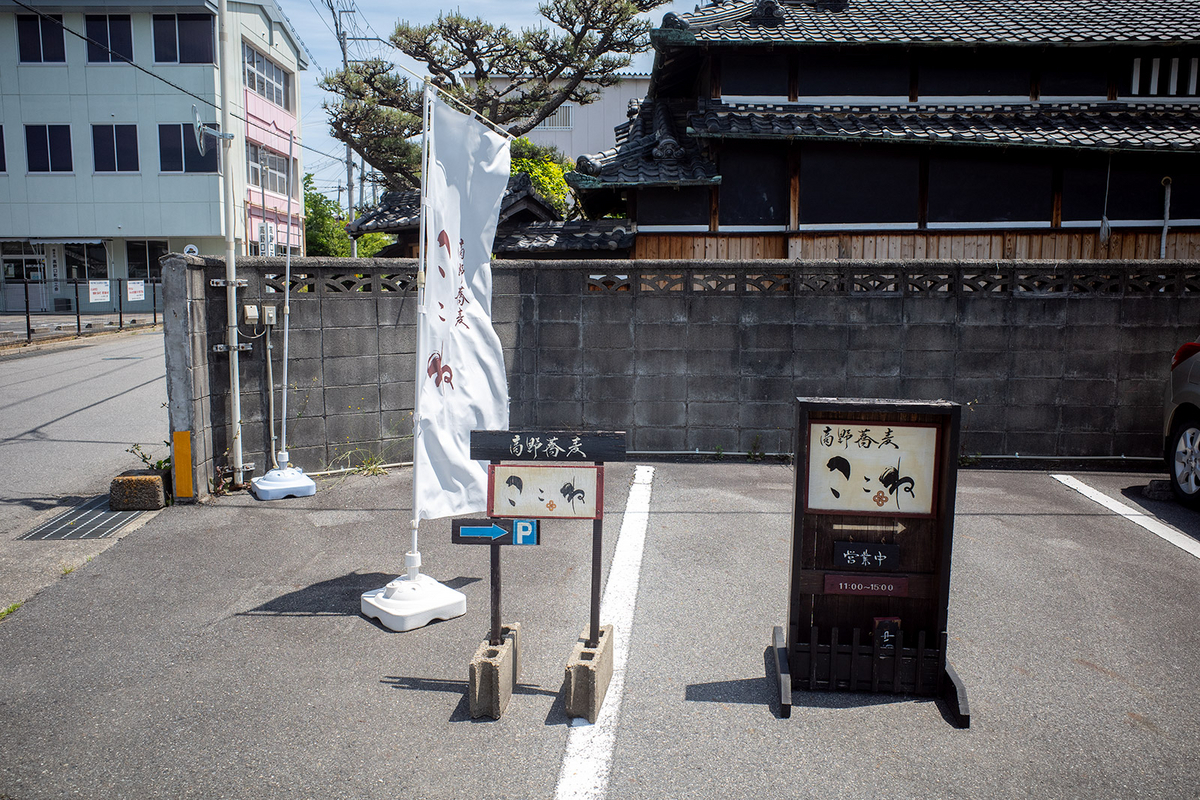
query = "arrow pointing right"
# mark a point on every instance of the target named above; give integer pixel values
(492, 532)
(896, 526)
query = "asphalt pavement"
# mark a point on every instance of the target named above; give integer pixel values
(70, 414)
(218, 652)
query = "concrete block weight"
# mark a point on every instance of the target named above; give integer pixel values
(589, 671)
(494, 672)
(137, 490)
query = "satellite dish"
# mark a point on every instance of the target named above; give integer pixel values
(198, 127)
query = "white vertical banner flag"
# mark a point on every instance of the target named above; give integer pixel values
(461, 384)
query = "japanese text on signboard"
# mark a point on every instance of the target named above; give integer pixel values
(871, 468)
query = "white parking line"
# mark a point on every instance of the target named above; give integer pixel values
(588, 759)
(1160, 530)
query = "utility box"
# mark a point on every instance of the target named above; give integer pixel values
(872, 528)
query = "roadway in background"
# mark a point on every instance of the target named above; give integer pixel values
(68, 412)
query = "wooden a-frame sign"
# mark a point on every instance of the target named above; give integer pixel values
(873, 523)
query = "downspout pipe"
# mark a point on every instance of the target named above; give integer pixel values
(228, 73)
(1162, 244)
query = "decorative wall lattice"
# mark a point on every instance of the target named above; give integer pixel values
(336, 282)
(1171, 280)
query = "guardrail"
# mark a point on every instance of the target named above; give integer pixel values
(86, 307)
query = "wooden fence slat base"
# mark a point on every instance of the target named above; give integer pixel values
(858, 667)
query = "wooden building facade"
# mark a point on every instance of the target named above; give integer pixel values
(869, 129)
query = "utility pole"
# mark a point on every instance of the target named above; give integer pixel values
(341, 36)
(362, 180)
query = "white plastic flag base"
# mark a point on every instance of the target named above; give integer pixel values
(407, 603)
(284, 482)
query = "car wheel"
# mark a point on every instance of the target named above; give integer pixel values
(1185, 462)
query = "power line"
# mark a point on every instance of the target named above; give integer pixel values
(119, 57)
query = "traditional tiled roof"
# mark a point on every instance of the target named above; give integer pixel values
(605, 235)
(1102, 126)
(649, 152)
(400, 211)
(396, 211)
(935, 22)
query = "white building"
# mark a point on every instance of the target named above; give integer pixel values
(100, 173)
(581, 130)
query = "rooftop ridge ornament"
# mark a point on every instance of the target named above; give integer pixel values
(668, 147)
(673, 21)
(767, 12)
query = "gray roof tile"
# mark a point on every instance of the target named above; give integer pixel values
(561, 237)
(1108, 126)
(649, 151)
(937, 22)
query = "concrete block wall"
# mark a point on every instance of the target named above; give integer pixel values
(696, 356)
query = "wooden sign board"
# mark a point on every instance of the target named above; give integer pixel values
(873, 520)
(548, 445)
(871, 468)
(559, 491)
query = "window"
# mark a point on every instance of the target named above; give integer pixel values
(267, 166)
(143, 259)
(40, 38)
(3, 164)
(561, 120)
(111, 38)
(48, 148)
(266, 78)
(1168, 75)
(177, 151)
(183, 38)
(85, 262)
(114, 148)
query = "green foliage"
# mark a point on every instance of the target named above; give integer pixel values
(4, 612)
(514, 78)
(546, 172)
(325, 228)
(149, 460)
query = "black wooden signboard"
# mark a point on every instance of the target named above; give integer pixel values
(873, 521)
(555, 449)
(548, 445)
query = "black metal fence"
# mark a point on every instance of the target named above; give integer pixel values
(78, 307)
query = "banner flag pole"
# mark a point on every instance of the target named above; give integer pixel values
(460, 381)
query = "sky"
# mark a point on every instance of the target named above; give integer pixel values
(376, 19)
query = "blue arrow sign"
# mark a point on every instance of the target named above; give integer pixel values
(492, 532)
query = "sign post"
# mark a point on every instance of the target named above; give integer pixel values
(566, 483)
(873, 520)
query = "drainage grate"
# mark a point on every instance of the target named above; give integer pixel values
(89, 520)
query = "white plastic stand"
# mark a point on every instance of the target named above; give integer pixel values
(283, 482)
(413, 600)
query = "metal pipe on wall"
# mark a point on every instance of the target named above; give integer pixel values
(231, 302)
(1162, 244)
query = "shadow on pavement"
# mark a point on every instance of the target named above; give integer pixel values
(1170, 511)
(462, 712)
(765, 691)
(336, 596)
